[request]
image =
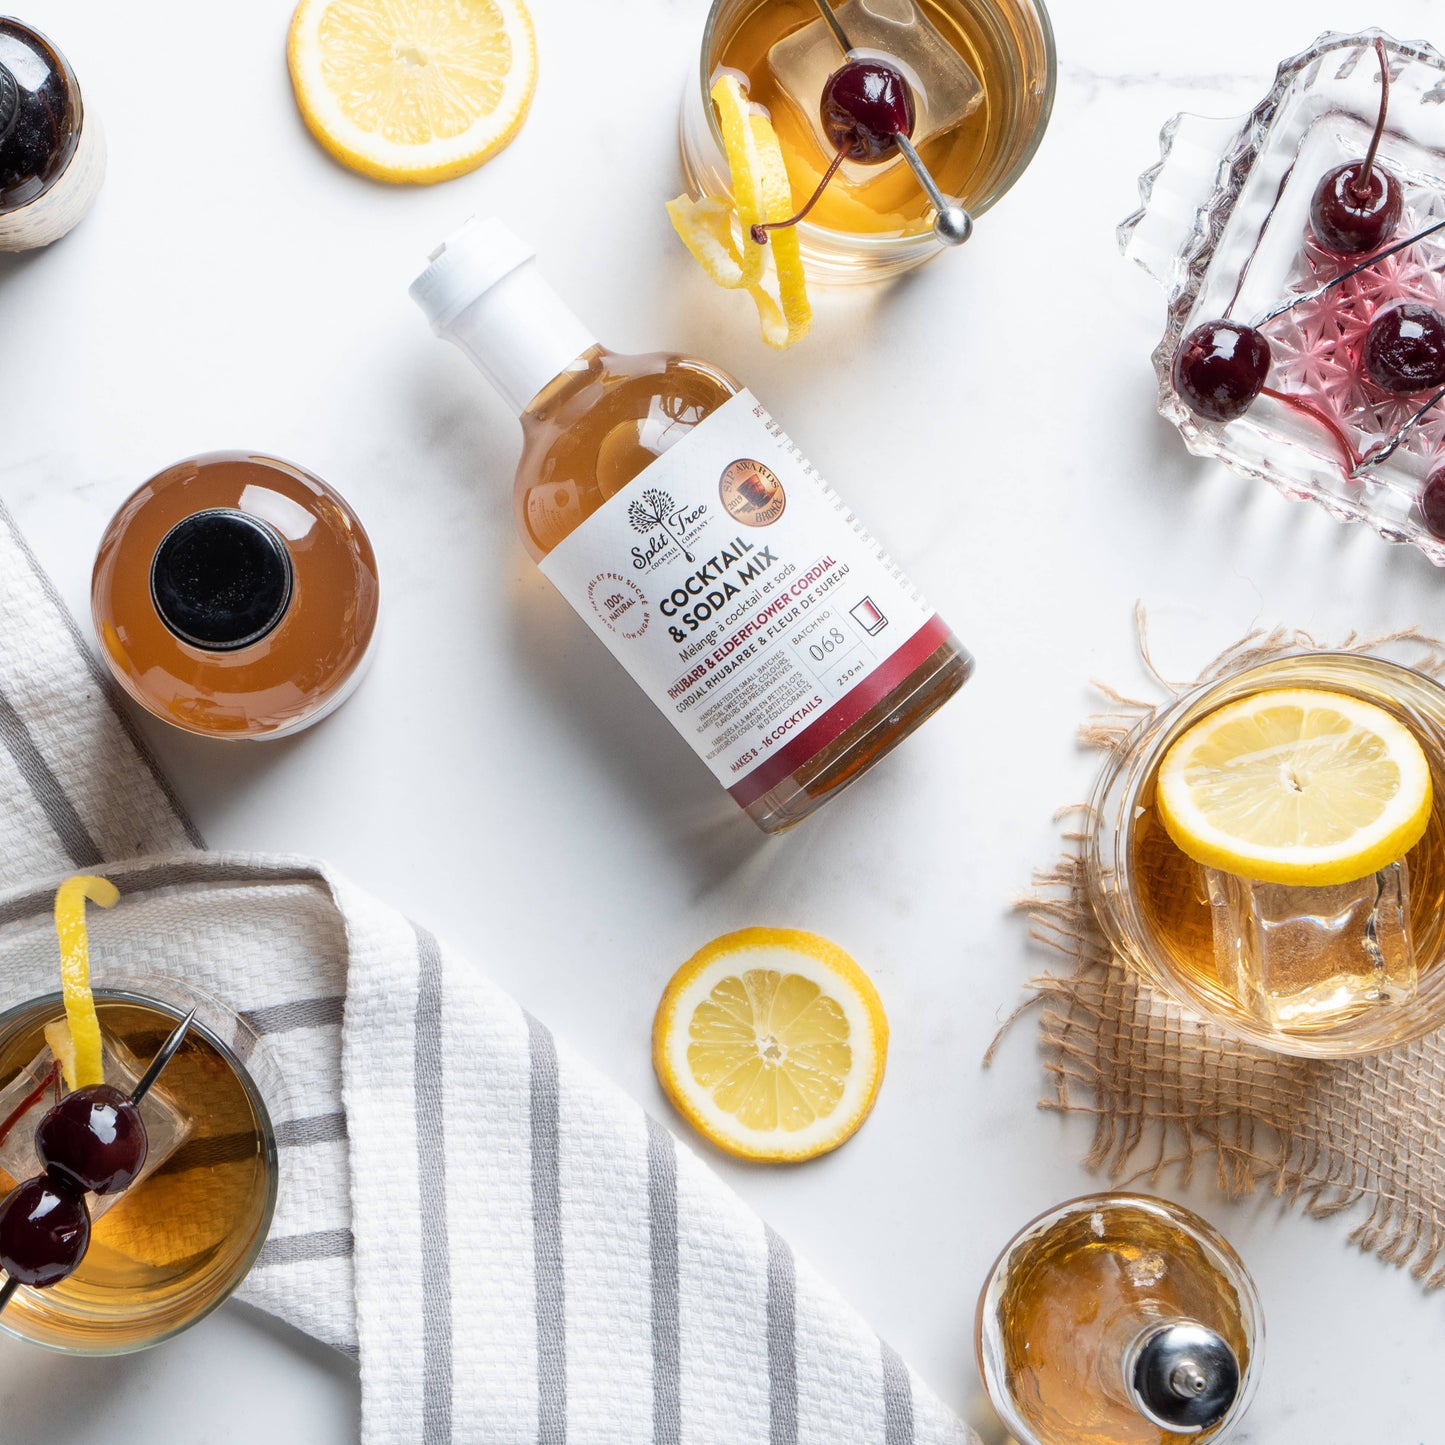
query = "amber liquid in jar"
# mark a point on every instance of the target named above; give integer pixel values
(594, 429)
(1174, 903)
(1065, 1302)
(254, 621)
(967, 160)
(173, 1245)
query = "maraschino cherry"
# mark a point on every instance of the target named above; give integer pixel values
(1357, 206)
(1432, 501)
(1405, 349)
(866, 106)
(44, 1230)
(1220, 367)
(96, 1137)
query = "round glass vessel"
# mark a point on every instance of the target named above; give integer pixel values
(1119, 1319)
(52, 155)
(1151, 901)
(175, 1244)
(235, 596)
(880, 223)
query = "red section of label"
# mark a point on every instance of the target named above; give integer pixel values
(842, 715)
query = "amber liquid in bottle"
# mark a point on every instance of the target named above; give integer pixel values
(175, 1243)
(595, 428)
(291, 562)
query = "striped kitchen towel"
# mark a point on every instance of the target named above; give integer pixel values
(516, 1252)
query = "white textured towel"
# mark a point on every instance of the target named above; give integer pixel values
(516, 1250)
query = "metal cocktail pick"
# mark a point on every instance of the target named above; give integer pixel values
(952, 225)
(164, 1055)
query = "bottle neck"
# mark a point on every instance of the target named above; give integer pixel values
(520, 335)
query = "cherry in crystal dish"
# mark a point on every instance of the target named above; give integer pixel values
(1309, 221)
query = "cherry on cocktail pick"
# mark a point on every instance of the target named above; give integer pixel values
(92, 1140)
(868, 115)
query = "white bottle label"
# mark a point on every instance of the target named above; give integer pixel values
(745, 598)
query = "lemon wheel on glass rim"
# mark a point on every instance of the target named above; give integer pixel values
(413, 90)
(771, 1043)
(1298, 786)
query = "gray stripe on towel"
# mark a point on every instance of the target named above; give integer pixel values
(304, 1013)
(897, 1400)
(108, 685)
(293, 1248)
(551, 1285)
(59, 811)
(782, 1351)
(436, 1280)
(662, 1236)
(316, 1129)
(162, 875)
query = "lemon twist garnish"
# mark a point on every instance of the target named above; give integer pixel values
(413, 90)
(719, 234)
(80, 1055)
(771, 1042)
(1298, 786)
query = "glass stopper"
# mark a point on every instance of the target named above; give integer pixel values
(1185, 1377)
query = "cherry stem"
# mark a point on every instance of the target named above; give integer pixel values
(8, 1289)
(52, 1075)
(759, 231)
(1352, 460)
(1360, 185)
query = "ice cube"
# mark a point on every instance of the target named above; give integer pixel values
(166, 1126)
(1309, 958)
(945, 88)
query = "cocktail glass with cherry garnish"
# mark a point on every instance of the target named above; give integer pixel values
(177, 1228)
(980, 79)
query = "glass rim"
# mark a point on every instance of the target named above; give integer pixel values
(1112, 809)
(270, 1154)
(884, 246)
(1216, 1248)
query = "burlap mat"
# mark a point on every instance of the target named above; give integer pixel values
(1169, 1092)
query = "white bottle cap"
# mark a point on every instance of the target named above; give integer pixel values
(483, 291)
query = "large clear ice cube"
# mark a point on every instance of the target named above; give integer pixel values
(1309, 958)
(166, 1126)
(945, 88)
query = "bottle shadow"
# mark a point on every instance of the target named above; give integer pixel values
(617, 731)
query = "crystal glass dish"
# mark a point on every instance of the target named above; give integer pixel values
(1224, 228)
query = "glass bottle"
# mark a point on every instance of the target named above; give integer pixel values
(687, 531)
(52, 154)
(235, 596)
(1118, 1319)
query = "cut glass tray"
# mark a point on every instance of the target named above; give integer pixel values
(1223, 226)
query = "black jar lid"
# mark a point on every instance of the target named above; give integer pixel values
(221, 579)
(9, 101)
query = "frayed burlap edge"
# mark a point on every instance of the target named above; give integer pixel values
(1169, 1093)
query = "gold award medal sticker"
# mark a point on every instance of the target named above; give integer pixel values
(751, 493)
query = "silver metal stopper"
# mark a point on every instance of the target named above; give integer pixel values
(1185, 1377)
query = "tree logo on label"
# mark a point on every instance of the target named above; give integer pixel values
(655, 509)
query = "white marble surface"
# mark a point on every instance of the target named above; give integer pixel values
(498, 777)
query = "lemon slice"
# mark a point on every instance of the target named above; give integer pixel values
(1296, 786)
(718, 234)
(413, 90)
(80, 1062)
(771, 1043)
